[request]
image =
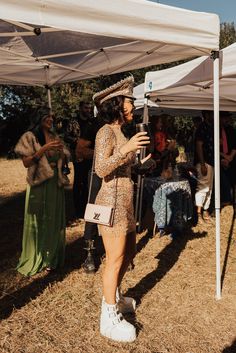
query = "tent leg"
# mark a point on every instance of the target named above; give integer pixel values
(140, 204)
(140, 184)
(137, 200)
(217, 171)
(49, 98)
(46, 68)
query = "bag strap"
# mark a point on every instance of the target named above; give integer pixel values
(93, 172)
(91, 177)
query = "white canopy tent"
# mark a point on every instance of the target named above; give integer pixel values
(155, 109)
(190, 85)
(49, 42)
(140, 100)
(45, 42)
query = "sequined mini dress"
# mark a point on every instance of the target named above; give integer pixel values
(117, 186)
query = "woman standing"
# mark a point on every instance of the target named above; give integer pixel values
(114, 156)
(42, 154)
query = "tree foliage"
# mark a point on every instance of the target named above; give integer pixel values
(18, 103)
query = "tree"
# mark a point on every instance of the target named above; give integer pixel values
(18, 103)
(227, 34)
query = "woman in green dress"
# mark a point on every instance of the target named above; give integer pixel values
(42, 153)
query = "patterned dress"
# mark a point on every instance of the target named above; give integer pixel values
(117, 186)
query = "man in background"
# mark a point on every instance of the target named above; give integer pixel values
(80, 135)
(204, 138)
(84, 160)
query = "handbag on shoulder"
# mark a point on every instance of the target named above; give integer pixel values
(99, 214)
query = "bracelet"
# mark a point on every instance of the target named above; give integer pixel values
(36, 159)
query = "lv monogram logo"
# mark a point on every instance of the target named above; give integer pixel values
(96, 216)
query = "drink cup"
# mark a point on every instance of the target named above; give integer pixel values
(143, 127)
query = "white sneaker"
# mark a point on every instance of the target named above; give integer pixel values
(125, 304)
(114, 326)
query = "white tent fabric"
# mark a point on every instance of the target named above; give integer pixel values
(84, 39)
(190, 85)
(154, 109)
(194, 85)
(44, 42)
(139, 98)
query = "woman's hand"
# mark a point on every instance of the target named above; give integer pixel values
(146, 158)
(137, 141)
(228, 157)
(53, 145)
(203, 169)
(225, 163)
(171, 145)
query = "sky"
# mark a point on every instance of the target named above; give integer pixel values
(226, 9)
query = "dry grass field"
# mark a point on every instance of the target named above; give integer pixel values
(173, 282)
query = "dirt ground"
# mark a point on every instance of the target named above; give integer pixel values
(173, 282)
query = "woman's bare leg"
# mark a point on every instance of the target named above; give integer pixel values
(130, 251)
(115, 248)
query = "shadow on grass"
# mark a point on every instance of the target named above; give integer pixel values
(227, 251)
(11, 222)
(230, 349)
(144, 240)
(20, 297)
(167, 259)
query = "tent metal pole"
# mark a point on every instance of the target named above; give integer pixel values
(46, 68)
(49, 98)
(145, 111)
(137, 201)
(215, 56)
(141, 177)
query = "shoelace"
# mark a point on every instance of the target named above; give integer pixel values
(116, 315)
(118, 318)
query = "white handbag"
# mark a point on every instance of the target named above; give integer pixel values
(99, 214)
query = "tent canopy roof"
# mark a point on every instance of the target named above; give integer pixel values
(77, 40)
(190, 85)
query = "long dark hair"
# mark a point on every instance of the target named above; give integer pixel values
(36, 127)
(113, 110)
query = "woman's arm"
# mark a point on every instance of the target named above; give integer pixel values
(229, 157)
(28, 161)
(83, 149)
(106, 160)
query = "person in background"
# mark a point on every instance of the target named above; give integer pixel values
(165, 150)
(43, 153)
(80, 136)
(191, 141)
(228, 160)
(205, 166)
(115, 155)
(77, 136)
(70, 129)
(84, 152)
